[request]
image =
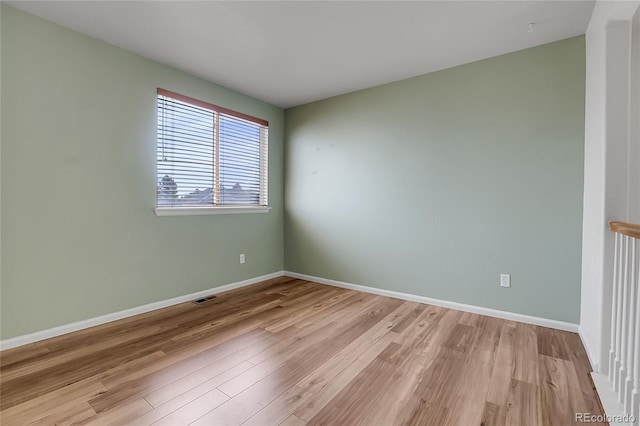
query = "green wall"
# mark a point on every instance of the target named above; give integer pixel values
(79, 234)
(433, 185)
(437, 184)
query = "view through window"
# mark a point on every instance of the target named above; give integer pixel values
(208, 155)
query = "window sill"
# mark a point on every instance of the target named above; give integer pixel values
(199, 211)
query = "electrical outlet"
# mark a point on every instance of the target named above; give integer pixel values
(242, 259)
(505, 280)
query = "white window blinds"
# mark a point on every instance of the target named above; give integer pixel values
(209, 155)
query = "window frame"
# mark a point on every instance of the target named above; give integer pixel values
(220, 208)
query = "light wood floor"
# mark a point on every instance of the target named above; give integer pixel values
(292, 352)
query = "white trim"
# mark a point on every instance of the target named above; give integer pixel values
(91, 322)
(560, 325)
(199, 211)
(592, 358)
(608, 399)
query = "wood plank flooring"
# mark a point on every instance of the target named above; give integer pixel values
(292, 352)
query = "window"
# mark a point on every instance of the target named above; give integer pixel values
(210, 159)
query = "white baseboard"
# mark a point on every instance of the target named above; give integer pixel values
(614, 411)
(593, 360)
(544, 322)
(91, 322)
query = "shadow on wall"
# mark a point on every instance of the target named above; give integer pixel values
(318, 260)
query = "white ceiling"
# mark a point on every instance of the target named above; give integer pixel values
(293, 52)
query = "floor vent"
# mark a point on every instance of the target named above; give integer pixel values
(203, 300)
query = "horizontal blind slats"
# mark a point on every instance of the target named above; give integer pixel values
(175, 159)
(178, 139)
(189, 174)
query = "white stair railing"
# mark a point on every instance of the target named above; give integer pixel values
(624, 353)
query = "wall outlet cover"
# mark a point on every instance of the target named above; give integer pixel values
(505, 280)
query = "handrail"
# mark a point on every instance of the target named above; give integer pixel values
(624, 228)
